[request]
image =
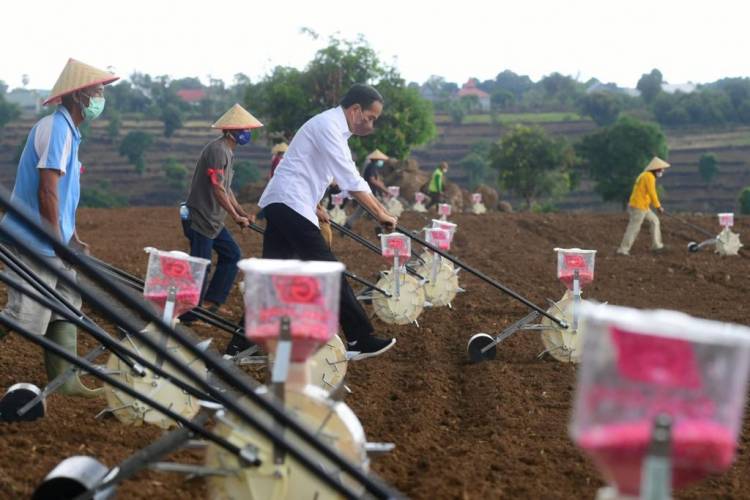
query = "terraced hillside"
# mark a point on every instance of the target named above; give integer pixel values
(685, 190)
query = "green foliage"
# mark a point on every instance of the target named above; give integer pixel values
(706, 107)
(708, 167)
(476, 164)
(8, 111)
(245, 172)
(101, 196)
(745, 201)
(172, 118)
(602, 107)
(531, 164)
(288, 97)
(114, 125)
(457, 111)
(501, 99)
(134, 146)
(650, 85)
(406, 121)
(175, 172)
(614, 156)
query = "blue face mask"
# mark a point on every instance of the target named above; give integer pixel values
(379, 163)
(242, 137)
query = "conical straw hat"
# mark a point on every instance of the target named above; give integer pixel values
(76, 76)
(237, 118)
(377, 155)
(279, 148)
(656, 163)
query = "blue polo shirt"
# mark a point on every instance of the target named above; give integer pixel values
(52, 143)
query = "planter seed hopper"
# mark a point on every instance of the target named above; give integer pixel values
(477, 207)
(575, 268)
(659, 398)
(337, 213)
(407, 295)
(392, 204)
(444, 211)
(418, 206)
(442, 278)
(173, 285)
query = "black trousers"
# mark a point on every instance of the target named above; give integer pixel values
(291, 236)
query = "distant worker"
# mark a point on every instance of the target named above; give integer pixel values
(371, 175)
(318, 154)
(211, 199)
(436, 187)
(48, 186)
(639, 208)
(278, 153)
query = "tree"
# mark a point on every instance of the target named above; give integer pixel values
(708, 167)
(477, 164)
(175, 172)
(172, 118)
(530, 163)
(602, 107)
(407, 121)
(457, 111)
(113, 126)
(288, 97)
(134, 146)
(8, 111)
(614, 156)
(513, 83)
(745, 201)
(650, 85)
(501, 99)
(245, 172)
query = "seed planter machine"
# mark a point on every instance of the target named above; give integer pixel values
(337, 213)
(393, 204)
(258, 436)
(725, 243)
(562, 329)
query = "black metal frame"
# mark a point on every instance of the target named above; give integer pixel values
(212, 362)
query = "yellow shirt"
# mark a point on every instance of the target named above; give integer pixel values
(644, 192)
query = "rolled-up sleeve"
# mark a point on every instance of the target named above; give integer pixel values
(336, 150)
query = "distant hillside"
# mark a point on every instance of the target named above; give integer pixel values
(685, 190)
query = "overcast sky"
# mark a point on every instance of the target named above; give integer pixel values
(611, 40)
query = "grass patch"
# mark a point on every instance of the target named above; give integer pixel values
(513, 118)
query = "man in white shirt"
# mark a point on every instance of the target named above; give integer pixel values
(318, 155)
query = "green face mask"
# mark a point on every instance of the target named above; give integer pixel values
(94, 109)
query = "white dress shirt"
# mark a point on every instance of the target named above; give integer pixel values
(318, 154)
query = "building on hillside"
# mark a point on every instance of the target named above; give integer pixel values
(29, 101)
(470, 89)
(192, 96)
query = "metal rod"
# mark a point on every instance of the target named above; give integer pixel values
(373, 486)
(73, 313)
(348, 274)
(105, 339)
(143, 457)
(369, 245)
(689, 224)
(52, 347)
(483, 277)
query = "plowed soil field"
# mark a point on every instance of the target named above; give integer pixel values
(492, 430)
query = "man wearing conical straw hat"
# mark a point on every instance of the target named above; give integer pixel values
(318, 154)
(210, 201)
(371, 174)
(48, 185)
(642, 199)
